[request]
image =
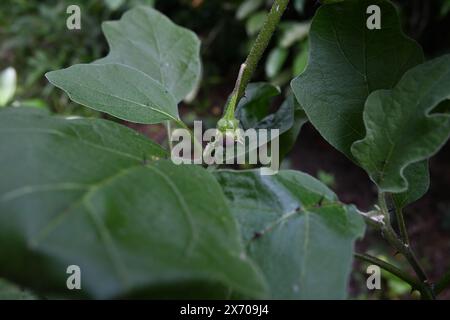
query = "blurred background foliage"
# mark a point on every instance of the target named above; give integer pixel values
(34, 39)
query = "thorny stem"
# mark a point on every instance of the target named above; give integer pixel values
(256, 52)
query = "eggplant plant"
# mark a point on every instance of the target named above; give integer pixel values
(98, 195)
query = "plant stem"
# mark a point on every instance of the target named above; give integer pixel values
(413, 282)
(391, 236)
(256, 52)
(443, 283)
(402, 226)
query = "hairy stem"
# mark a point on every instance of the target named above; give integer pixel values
(391, 236)
(256, 52)
(402, 226)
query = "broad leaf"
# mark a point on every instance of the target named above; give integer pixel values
(296, 231)
(121, 91)
(401, 128)
(347, 62)
(91, 193)
(148, 41)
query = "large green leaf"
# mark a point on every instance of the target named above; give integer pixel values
(119, 90)
(401, 128)
(92, 193)
(348, 62)
(148, 41)
(296, 230)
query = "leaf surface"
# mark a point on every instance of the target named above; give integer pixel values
(148, 41)
(402, 128)
(116, 89)
(93, 193)
(348, 62)
(296, 231)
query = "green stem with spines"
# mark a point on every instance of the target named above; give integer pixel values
(249, 66)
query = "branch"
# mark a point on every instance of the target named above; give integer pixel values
(256, 52)
(402, 226)
(391, 236)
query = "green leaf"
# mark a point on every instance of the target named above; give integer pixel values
(119, 90)
(296, 231)
(255, 23)
(347, 63)
(255, 104)
(248, 7)
(114, 4)
(418, 177)
(254, 112)
(301, 59)
(401, 128)
(275, 61)
(148, 41)
(91, 193)
(293, 32)
(8, 79)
